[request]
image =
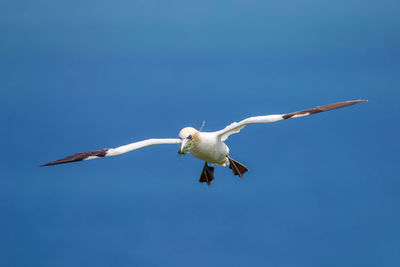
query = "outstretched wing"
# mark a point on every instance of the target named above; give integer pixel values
(108, 152)
(237, 126)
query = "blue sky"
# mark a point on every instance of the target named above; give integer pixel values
(83, 75)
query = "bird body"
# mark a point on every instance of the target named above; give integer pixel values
(207, 146)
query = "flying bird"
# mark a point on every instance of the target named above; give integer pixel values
(207, 146)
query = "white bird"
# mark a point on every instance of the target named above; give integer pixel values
(207, 146)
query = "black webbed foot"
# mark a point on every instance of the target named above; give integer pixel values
(237, 168)
(207, 175)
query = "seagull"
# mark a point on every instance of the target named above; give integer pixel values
(207, 146)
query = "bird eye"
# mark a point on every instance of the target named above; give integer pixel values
(189, 137)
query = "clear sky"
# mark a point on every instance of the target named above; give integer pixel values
(83, 75)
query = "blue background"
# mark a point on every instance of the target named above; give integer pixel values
(82, 75)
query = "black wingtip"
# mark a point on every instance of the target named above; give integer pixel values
(352, 102)
(323, 108)
(47, 164)
(53, 163)
(79, 157)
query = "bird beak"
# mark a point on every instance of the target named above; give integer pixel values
(183, 144)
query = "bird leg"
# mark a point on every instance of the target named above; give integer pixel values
(237, 167)
(207, 175)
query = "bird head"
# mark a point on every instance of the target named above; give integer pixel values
(186, 135)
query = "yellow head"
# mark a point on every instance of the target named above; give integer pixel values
(187, 134)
